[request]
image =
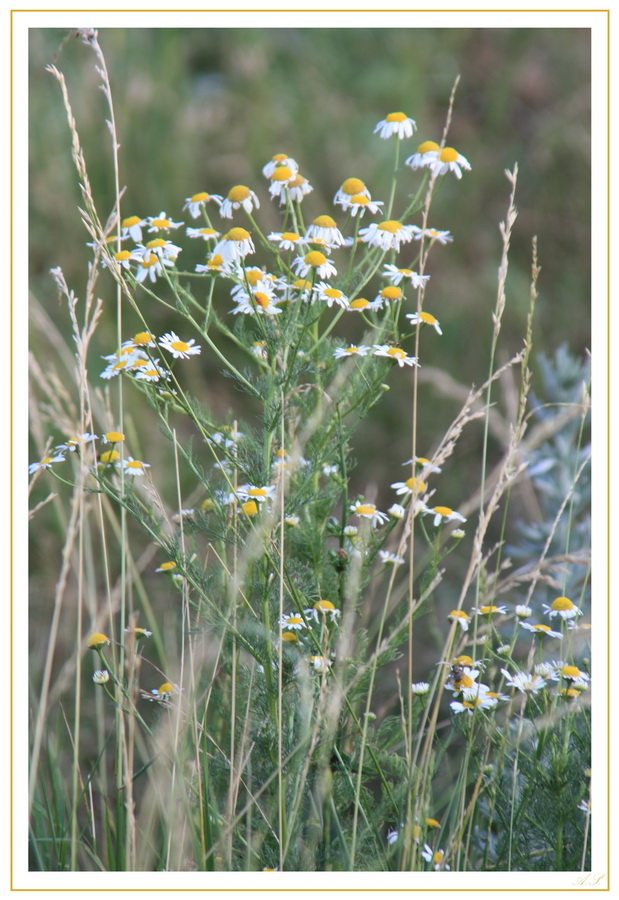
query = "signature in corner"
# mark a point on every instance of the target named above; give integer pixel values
(590, 879)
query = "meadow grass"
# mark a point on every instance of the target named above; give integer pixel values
(228, 682)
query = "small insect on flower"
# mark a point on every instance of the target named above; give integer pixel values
(397, 123)
(196, 203)
(369, 511)
(178, 348)
(424, 318)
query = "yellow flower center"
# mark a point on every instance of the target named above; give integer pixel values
(216, 260)
(109, 456)
(301, 284)
(114, 436)
(570, 672)
(134, 464)
(158, 242)
(541, 628)
(428, 318)
(289, 636)
(443, 510)
(324, 222)
(365, 509)
(396, 117)
(143, 337)
(333, 293)
(139, 364)
(250, 508)
(279, 157)
(206, 231)
(161, 223)
(415, 484)
(353, 186)
(562, 603)
(432, 823)
(181, 346)
(396, 352)
(465, 681)
(122, 255)
(151, 261)
(256, 492)
(295, 620)
(166, 688)
(457, 614)
(198, 198)
(237, 234)
(463, 660)
(297, 181)
(290, 236)
(315, 258)
(391, 293)
(131, 220)
(166, 566)
(352, 350)
(391, 225)
(488, 610)
(448, 154)
(359, 303)
(324, 605)
(416, 832)
(282, 173)
(238, 193)
(97, 640)
(359, 199)
(261, 299)
(427, 147)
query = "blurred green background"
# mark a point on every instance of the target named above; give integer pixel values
(204, 109)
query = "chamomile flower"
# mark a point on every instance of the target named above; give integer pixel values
(164, 691)
(320, 610)
(425, 155)
(435, 857)
(524, 682)
(397, 123)
(444, 514)
(424, 462)
(319, 663)
(138, 633)
(97, 640)
(316, 262)
(563, 607)
(359, 204)
(123, 258)
(324, 228)
(45, 463)
(396, 354)
(160, 247)
(259, 349)
(293, 521)
(286, 240)
(152, 372)
(432, 234)
(297, 189)
(197, 202)
(207, 234)
(352, 187)
(259, 302)
(161, 223)
(369, 511)
(238, 196)
(570, 673)
(482, 701)
(424, 318)
(134, 467)
(397, 511)
(387, 235)
(420, 687)
(459, 616)
(77, 442)
(543, 630)
(215, 264)
(489, 610)
(330, 295)
(235, 245)
(166, 566)
(292, 620)
(351, 350)
(360, 304)
(396, 275)
(523, 612)
(449, 160)
(254, 492)
(101, 676)
(410, 486)
(112, 437)
(132, 227)
(279, 159)
(150, 266)
(390, 559)
(280, 179)
(142, 339)
(178, 348)
(389, 294)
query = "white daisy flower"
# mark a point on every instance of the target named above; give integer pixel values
(396, 354)
(360, 304)
(280, 179)
(286, 240)
(390, 559)
(425, 155)
(352, 187)
(387, 235)
(179, 349)
(543, 630)
(351, 350)
(449, 160)
(410, 486)
(296, 189)
(360, 204)
(432, 234)
(196, 203)
(149, 266)
(562, 607)
(280, 159)
(234, 245)
(444, 514)
(134, 467)
(207, 234)
(254, 492)
(162, 223)
(397, 123)
(238, 196)
(132, 227)
(424, 318)
(45, 463)
(330, 295)
(396, 275)
(524, 682)
(324, 228)
(420, 687)
(314, 261)
(369, 511)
